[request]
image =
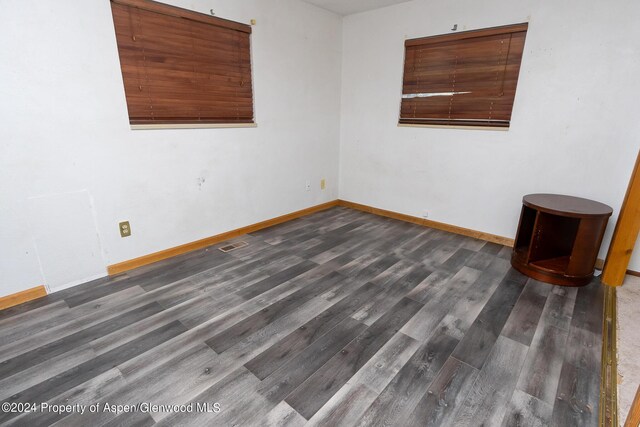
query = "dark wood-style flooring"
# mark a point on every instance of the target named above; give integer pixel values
(337, 318)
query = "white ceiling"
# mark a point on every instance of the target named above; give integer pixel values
(347, 7)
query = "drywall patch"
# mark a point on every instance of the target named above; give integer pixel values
(66, 238)
(201, 181)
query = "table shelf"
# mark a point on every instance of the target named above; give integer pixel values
(559, 237)
(553, 265)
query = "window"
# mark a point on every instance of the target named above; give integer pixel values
(181, 67)
(462, 79)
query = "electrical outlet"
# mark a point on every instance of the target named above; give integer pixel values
(308, 185)
(125, 229)
(425, 214)
(323, 184)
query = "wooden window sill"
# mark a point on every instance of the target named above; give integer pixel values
(195, 126)
(408, 125)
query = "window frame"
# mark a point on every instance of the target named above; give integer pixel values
(176, 12)
(459, 37)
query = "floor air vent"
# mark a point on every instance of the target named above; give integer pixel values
(233, 246)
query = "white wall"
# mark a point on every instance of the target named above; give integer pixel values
(65, 133)
(575, 126)
(71, 169)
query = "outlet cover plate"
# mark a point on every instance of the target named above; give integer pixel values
(125, 229)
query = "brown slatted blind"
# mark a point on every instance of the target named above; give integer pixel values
(462, 79)
(182, 67)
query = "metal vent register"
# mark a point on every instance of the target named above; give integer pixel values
(233, 246)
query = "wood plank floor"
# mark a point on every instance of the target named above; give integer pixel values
(337, 318)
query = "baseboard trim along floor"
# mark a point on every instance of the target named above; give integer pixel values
(203, 243)
(208, 241)
(22, 296)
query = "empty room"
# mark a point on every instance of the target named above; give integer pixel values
(319, 213)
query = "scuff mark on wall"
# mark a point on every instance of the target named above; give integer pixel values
(201, 181)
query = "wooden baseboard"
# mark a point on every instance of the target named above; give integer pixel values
(428, 223)
(23, 296)
(203, 243)
(633, 273)
(608, 416)
(600, 266)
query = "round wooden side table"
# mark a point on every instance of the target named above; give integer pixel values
(559, 238)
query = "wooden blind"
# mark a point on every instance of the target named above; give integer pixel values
(182, 67)
(462, 79)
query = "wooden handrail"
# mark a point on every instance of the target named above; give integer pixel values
(625, 234)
